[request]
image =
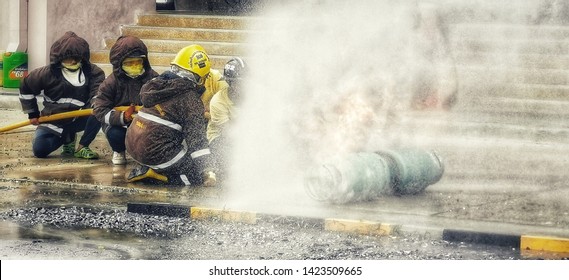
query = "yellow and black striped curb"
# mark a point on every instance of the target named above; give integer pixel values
(533, 243)
(526, 243)
(360, 227)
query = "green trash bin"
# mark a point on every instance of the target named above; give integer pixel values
(1, 68)
(15, 68)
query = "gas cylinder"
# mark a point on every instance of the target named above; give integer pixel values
(412, 169)
(348, 178)
(366, 176)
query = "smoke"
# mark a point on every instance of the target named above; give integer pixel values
(319, 73)
(333, 77)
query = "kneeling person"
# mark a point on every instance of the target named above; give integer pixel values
(168, 136)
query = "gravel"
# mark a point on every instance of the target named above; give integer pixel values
(162, 237)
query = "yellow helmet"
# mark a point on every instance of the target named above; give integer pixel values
(194, 59)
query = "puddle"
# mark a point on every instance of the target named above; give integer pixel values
(30, 192)
(44, 242)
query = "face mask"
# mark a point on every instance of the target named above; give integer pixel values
(133, 71)
(71, 66)
(133, 67)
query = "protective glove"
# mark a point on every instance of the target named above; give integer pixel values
(209, 179)
(127, 115)
(34, 118)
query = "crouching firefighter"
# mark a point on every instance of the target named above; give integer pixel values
(167, 138)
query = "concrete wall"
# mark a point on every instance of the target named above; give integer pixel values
(93, 20)
(4, 23)
(10, 23)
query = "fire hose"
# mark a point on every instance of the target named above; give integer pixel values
(60, 116)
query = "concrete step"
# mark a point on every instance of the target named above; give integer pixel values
(186, 34)
(160, 59)
(529, 91)
(483, 150)
(513, 75)
(485, 158)
(518, 60)
(196, 21)
(508, 32)
(513, 106)
(108, 68)
(460, 124)
(173, 46)
(475, 88)
(500, 45)
(223, 37)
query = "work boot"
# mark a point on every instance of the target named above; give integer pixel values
(119, 158)
(142, 172)
(209, 179)
(68, 149)
(86, 153)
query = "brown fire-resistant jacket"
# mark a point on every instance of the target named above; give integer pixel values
(170, 127)
(59, 95)
(118, 89)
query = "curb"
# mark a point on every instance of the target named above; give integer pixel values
(10, 100)
(529, 245)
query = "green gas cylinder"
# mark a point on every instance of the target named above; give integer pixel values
(412, 169)
(366, 176)
(349, 178)
(15, 68)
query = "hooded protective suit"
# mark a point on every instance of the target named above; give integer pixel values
(59, 94)
(169, 132)
(119, 89)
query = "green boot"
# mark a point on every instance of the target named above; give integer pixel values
(67, 150)
(86, 153)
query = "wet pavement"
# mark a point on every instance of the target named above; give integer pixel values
(500, 202)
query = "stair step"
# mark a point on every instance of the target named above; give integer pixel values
(510, 32)
(529, 91)
(500, 45)
(173, 46)
(491, 126)
(160, 59)
(195, 21)
(505, 105)
(519, 153)
(504, 160)
(513, 75)
(186, 34)
(538, 61)
(108, 68)
(467, 89)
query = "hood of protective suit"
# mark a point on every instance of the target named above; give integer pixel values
(124, 47)
(165, 87)
(69, 45)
